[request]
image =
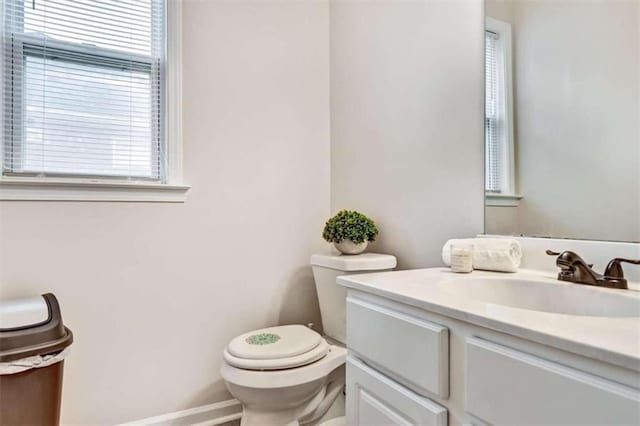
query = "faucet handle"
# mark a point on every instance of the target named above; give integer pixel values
(614, 268)
(557, 253)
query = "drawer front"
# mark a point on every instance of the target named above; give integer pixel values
(505, 386)
(375, 400)
(410, 349)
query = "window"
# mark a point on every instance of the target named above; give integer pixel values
(84, 92)
(499, 163)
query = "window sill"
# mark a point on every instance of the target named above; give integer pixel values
(37, 189)
(502, 200)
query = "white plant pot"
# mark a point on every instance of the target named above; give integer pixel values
(349, 247)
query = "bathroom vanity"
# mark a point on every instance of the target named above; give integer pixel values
(431, 347)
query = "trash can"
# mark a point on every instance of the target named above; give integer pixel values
(33, 344)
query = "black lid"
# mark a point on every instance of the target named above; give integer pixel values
(46, 337)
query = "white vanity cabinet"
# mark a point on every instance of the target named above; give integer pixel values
(408, 365)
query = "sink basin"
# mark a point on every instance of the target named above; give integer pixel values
(546, 296)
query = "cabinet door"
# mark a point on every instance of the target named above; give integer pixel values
(375, 400)
(410, 349)
(506, 386)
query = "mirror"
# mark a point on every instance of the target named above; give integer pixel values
(562, 132)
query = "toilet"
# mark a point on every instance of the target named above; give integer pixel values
(290, 374)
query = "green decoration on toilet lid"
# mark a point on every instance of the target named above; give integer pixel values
(262, 339)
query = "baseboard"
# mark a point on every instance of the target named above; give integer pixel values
(206, 415)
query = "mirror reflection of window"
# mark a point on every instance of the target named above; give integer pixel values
(499, 162)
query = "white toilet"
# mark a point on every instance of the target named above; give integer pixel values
(290, 375)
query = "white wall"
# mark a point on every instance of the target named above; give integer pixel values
(153, 292)
(406, 120)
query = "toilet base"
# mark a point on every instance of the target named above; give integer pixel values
(327, 403)
(333, 417)
(337, 410)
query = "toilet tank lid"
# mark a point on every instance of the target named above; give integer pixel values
(357, 262)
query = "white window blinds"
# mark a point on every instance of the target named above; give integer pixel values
(83, 88)
(493, 155)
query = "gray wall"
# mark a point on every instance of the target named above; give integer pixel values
(406, 121)
(577, 73)
(577, 80)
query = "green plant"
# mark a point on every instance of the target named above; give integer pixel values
(350, 225)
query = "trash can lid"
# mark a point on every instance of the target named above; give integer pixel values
(32, 326)
(23, 312)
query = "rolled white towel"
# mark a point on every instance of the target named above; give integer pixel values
(490, 254)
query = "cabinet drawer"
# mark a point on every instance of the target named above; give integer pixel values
(373, 399)
(506, 386)
(410, 349)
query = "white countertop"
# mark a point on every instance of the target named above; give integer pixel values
(612, 340)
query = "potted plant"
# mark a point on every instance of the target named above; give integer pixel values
(350, 232)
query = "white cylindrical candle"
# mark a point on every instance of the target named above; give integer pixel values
(461, 259)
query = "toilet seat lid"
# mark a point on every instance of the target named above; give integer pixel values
(273, 343)
(306, 358)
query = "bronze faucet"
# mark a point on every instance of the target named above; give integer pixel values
(574, 269)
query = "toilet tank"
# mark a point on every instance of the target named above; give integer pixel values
(331, 296)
